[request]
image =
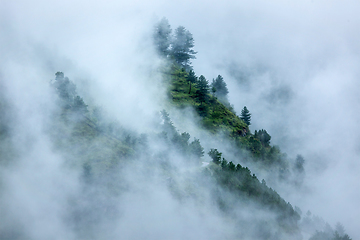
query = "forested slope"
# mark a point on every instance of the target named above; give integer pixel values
(123, 175)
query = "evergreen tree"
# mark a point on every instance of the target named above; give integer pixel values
(213, 91)
(245, 115)
(162, 37)
(181, 140)
(231, 166)
(263, 136)
(215, 155)
(220, 87)
(196, 149)
(182, 47)
(203, 89)
(192, 78)
(168, 125)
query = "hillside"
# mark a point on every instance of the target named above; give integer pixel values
(85, 175)
(210, 102)
(105, 154)
(99, 148)
(220, 119)
(102, 150)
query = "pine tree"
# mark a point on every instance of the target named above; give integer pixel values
(181, 47)
(220, 88)
(245, 115)
(196, 149)
(215, 155)
(203, 89)
(263, 136)
(162, 37)
(192, 78)
(168, 125)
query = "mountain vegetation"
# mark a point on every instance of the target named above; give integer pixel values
(218, 117)
(90, 140)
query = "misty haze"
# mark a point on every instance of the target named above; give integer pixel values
(179, 120)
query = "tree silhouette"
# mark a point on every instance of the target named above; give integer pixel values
(263, 136)
(192, 78)
(162, 37)
(202, 93)
(182, 47)
(220, 89)
(245, 115)
(196, 149)
(215, 155)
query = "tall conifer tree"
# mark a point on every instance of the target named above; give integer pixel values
(182, 47)
(162, 37)
(245, 115)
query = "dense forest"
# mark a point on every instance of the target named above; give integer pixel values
(118, 166)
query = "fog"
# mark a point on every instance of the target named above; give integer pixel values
(294, 65)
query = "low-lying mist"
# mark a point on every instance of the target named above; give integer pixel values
(293, 65)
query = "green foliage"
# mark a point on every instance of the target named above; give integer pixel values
(182, 47)
(219, 89)
(192, 78)
(168, 125)
(215, 155)
(180, 141)
(263, 136)
(177, 47)
(184, 138)
(239, 181)
(245, 115)
(196, 149)
(217, 115)
(180, 90)
(96, 145)
(202, 94)
(255, 146)
(231, 167)
(85, 138)
(218, 118)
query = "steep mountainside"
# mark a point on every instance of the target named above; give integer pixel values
(112, 182)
